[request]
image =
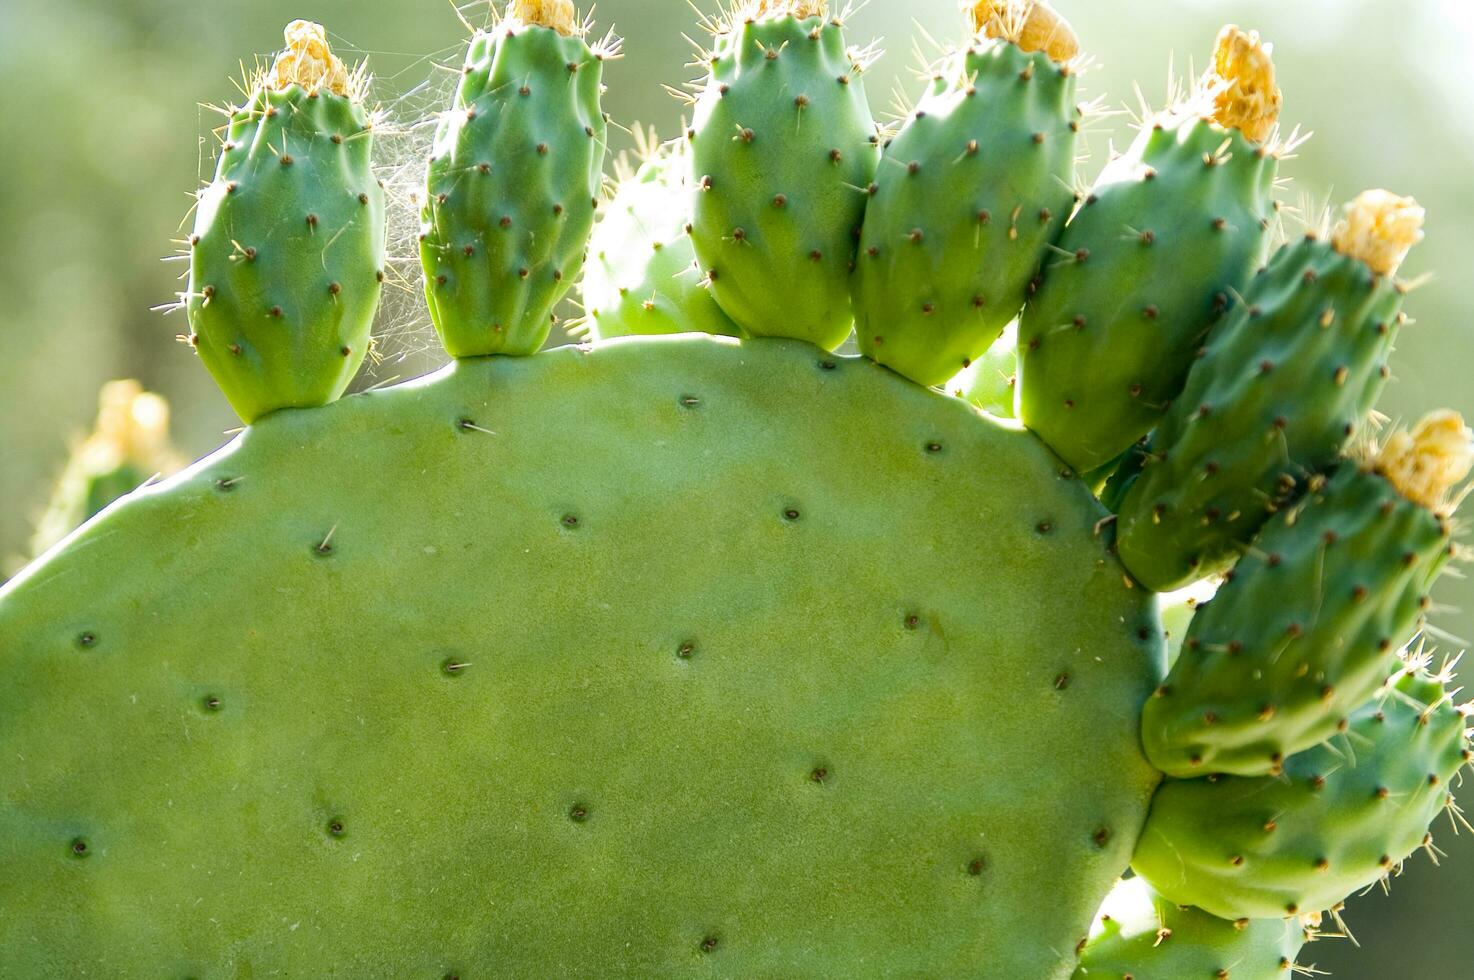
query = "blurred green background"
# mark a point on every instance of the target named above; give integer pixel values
(102, 140)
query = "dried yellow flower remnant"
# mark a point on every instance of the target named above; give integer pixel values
(1031, 24)
(797, 9)
(308, 62)
(1245, 96)
(1432, 459)
(1380, 228)
(560, 15)
(133, 428)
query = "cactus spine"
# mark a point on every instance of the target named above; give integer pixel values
(514, 179)
(1146, 266)
(1279, 392)
(969, 195)
(642, 276)
(287, 255)
(783, 146)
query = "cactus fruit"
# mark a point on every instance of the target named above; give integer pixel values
(1142, 936)
(514, 178)
(1307, 626)
(288, 250)
(783, 147)
(1339, 819)
(1310, 342)
(988, 383)
(968, 197)
(1150, 261)
(710, 656)
(130, 444)
(642, 276)
(664, 769)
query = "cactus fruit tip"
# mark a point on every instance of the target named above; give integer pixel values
(1379, 228)
(306, 61)
(1242, 84)
(1424, 464)
(1031, 24)
(559, 15)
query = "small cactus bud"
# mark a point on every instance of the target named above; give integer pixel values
(1031, 24)
(1379, 228)
(306, 61)
(1241, 84)
(1424, 464)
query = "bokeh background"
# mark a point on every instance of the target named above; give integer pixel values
(103, 139)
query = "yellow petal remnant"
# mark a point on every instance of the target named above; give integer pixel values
(308, 62)
(1245, 96)
(560, 15)
(1428, 462)
(797, 9)
(1379, 228)
(1033, 25)
(132, 427)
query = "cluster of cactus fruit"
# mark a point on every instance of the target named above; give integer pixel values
(721, 654)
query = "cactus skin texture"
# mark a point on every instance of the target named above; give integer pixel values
(583, 734)
(988, 383)
(1302, 633)
(642, 276)
(288, 250)
(968, 197)
(514, 180)
(1172, 229)
(782, 149)
(1339, 819)
(1279, 392)
(1140, 935)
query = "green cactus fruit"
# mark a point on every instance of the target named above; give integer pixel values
(1146, 266)
(1278, 394)
(1341, 816)
(130, 444)
(1309, 622)
(783, 148)
(514, 180)
(655, 691)
(1139, 935)
(988, 382)
(287, 255)
(642, 276)
(966, 201)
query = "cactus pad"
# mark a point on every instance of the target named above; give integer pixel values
(377, 687)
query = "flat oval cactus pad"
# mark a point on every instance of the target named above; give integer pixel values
(673, 656)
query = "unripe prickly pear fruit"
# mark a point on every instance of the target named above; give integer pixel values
(129, 444)
(514, 180)
(1150, 261)
(642, 276)
(1338, 819)
(1309, 622)
(1278, 393)
(968, 197)
(1141, 935)
(287, 255)
(988, 382)
(783, 147)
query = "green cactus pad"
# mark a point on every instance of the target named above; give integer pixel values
(514, 179)
(1280, 391)
(642, 276)
(1147, 265)
(1304, 631)
(394, 688)
(1139, 935)
(968, 197)
(988, 382)
(1342, 816)
(288, 252)
(783, 148)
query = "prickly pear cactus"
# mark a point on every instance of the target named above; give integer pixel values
(728, 656)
